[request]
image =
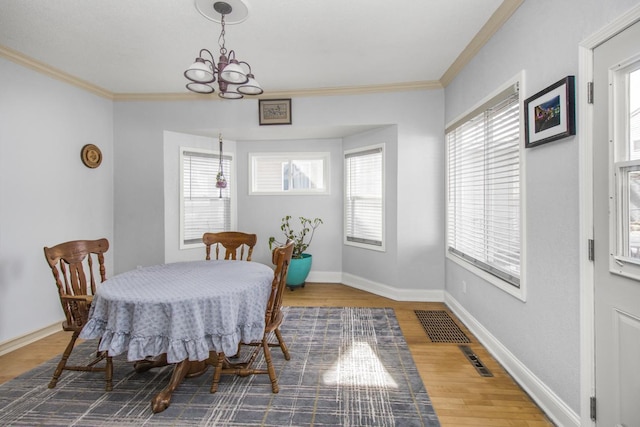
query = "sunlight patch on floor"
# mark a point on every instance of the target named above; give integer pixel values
(359, 366)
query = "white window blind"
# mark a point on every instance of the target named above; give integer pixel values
(299, 173)
(364, 202)
(483, 209)
(205, 207)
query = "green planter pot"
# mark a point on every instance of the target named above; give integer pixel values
(298, 271)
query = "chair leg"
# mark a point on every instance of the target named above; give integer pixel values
(283, 346)
(217, 373)
(62, 364)
(108, 374)
(63, 360)
(270, 368)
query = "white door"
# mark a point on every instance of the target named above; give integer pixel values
(616, 186)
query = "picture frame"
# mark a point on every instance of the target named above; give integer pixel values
(550, 113)
(275, 111)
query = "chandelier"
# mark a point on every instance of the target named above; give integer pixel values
(234, 77)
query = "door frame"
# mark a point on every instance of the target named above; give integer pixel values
(587, 282)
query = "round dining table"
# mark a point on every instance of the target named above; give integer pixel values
(182, 313)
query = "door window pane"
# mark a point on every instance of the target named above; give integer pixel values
(634, 114)
(629, 189)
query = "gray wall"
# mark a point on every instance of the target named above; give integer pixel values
(262, 214)
(414, 140)
(379, 267)
(542, 38)
(47, 196)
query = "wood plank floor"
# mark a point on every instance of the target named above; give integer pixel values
(461, 396)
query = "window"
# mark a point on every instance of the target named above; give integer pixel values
(204, 207)
(289, 173)
(625, 195)
(364, 200)
(483, 189)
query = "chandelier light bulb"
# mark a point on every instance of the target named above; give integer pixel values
(200, 72)
(252, 87)
(233, 73)
(228, 91)
(200, 87)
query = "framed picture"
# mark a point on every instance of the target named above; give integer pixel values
(275, 111)
(550, 113)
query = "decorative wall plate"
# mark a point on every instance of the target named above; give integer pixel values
(91, 156)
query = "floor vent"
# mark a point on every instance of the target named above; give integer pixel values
(475, 361)
(440, 327)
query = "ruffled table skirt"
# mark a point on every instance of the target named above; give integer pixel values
(183, 310)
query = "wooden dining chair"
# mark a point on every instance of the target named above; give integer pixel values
(73, 267)
(231, 241)
(281, 257)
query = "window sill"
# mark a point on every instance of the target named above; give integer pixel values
(519, 293)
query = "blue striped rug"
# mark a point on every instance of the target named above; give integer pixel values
(348, 367)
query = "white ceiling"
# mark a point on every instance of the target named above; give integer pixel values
(144, 46)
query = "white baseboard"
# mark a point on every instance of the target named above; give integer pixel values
(395, 294)
(376, 288)
(555, 408)
(324, 277)
(15, 343)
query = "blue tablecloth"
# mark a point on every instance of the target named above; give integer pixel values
(183, 309)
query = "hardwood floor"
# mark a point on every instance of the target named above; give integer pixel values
(461, 396)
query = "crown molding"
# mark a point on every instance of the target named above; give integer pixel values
(497, 20)
(353, 90)
(187, 96)
(48, 70)
(43, 68)
(357, 90)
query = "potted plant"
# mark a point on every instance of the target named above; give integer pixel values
(300, 261)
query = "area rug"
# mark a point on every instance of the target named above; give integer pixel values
(348, 367)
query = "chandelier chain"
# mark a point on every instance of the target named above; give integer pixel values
(221, 40)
